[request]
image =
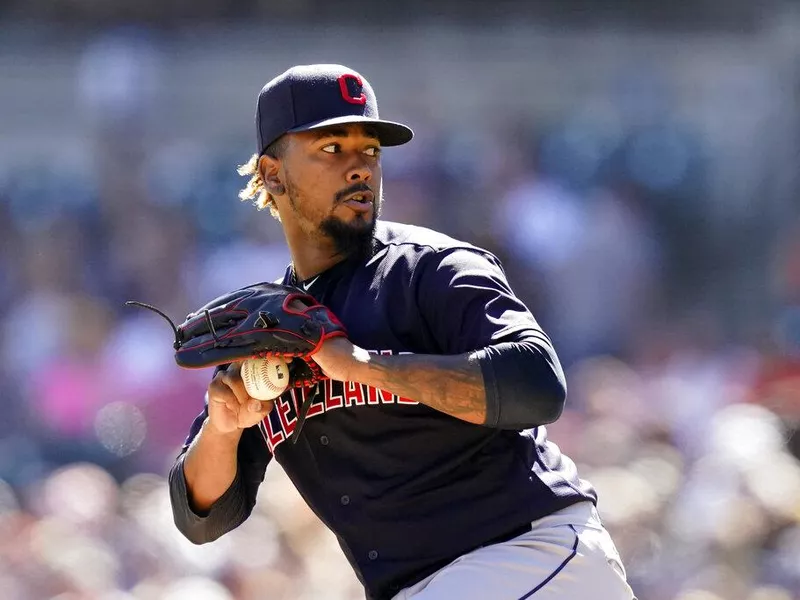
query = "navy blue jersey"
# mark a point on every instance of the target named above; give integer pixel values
(405, 488)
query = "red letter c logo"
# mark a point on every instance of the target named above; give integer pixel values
(360, 99)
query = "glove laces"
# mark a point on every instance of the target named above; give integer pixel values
(177, 343)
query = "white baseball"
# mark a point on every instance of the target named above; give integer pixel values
(265, 378)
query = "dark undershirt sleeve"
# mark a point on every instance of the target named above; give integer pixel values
(525, 385)
(468, 305)
(236, 504)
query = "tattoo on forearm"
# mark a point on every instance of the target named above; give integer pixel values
(451, 384)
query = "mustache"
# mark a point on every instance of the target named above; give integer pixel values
(353, 189)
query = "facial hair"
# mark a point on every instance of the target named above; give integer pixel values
(354, 238)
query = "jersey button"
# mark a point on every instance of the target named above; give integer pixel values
(323, 439)
(345, 500)
(373, 554)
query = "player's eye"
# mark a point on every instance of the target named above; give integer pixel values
(373, 151)
(331, 148)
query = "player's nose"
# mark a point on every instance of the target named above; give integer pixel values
(360, 170)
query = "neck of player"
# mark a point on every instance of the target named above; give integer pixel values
(310, 257)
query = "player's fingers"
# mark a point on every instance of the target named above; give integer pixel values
(220, 393)
(217, 390)
(260, 407)
(233, 380)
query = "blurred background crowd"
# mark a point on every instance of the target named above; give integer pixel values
(637, 173)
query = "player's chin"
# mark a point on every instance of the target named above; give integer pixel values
(355, 221)
(351, 235)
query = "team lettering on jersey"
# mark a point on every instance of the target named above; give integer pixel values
(279, 424)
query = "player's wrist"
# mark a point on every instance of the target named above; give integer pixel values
(358, 365)
(339, 359)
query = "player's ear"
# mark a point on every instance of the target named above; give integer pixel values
(270, 174)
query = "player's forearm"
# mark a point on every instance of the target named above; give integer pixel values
(213, 485)
(208, 492)
(210, 467)
(451, 384)
(511, 385)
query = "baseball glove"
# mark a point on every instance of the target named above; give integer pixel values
(260, 320)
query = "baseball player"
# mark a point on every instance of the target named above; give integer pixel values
(425, 451)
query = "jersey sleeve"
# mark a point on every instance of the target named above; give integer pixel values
(468, 306)
(466, 302)
(236, 504)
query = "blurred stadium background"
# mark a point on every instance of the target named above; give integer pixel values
(635, 165)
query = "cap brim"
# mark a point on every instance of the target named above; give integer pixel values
(389, 132)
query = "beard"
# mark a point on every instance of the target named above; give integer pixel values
(354, 238)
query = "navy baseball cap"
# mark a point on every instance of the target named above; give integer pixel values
(313, 96)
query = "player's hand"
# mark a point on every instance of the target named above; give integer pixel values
(230, 407)
(339, 358)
